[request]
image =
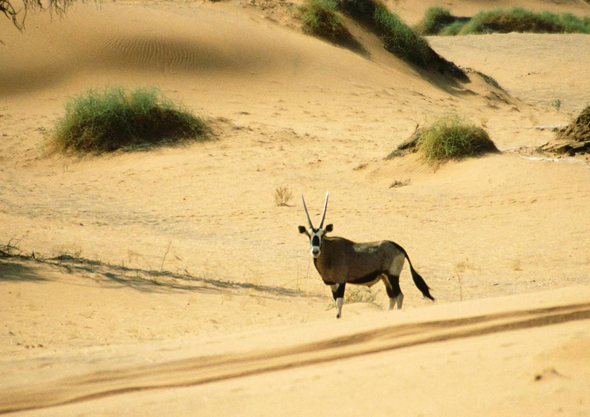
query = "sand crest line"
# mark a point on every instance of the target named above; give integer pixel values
(203, 370)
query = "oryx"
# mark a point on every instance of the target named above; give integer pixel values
(340, 261)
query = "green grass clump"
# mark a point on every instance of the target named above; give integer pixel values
(521, 20)
(320, 18)
(450, 137)
(397, 37)
(453, 29)
(435, 20)
(402, 40)
(361, 10)
(118, 118)
(439, 21)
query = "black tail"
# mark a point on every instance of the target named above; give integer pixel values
(418, 280)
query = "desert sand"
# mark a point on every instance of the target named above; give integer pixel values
(168, 282)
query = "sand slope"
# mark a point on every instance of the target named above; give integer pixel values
(168, 282)
(512, 351)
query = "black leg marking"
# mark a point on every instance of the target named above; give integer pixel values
(393, 289)
(338, 290)
(338, 294)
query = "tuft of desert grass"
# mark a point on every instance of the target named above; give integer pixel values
(361, 295)
(401, 39)
(520, 20)
(397, 37)
(450, 137)
(283, 196)
(118, 118)
(320, 18)
(435, 20)
(439, 21)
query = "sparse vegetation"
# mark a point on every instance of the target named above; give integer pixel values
(104, 121)
(10, 250)
(361, 295)
(17, 11)
(321, 19)
(521, 20)
(556, 104)
(397, 37)
(439, 21)
(399, 184)
(402, 40)
(283, 196)
(453, 29)
(139, 278)
(450, 137)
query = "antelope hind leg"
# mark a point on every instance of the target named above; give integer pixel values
(394, 291)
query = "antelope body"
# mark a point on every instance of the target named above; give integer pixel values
(340, 261)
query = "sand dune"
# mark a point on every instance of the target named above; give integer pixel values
(363, 341)
(203, 42)
(168, 282)
(165, 43)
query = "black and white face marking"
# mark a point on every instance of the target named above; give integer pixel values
(315, 242)
(316, 236)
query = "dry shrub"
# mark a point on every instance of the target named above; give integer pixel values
(361, 295)
(283, 196)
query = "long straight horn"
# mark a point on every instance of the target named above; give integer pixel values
(325, 207)
(306, 212)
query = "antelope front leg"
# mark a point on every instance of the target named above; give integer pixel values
(338, 294)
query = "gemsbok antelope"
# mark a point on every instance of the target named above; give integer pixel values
(340, 261)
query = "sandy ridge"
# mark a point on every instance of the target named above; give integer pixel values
(203, 369)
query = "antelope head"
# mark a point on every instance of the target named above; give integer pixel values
(316, 235)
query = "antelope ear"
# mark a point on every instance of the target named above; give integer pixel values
(302, 229)
(329, 228)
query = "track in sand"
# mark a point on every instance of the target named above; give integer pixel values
(203, 370)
